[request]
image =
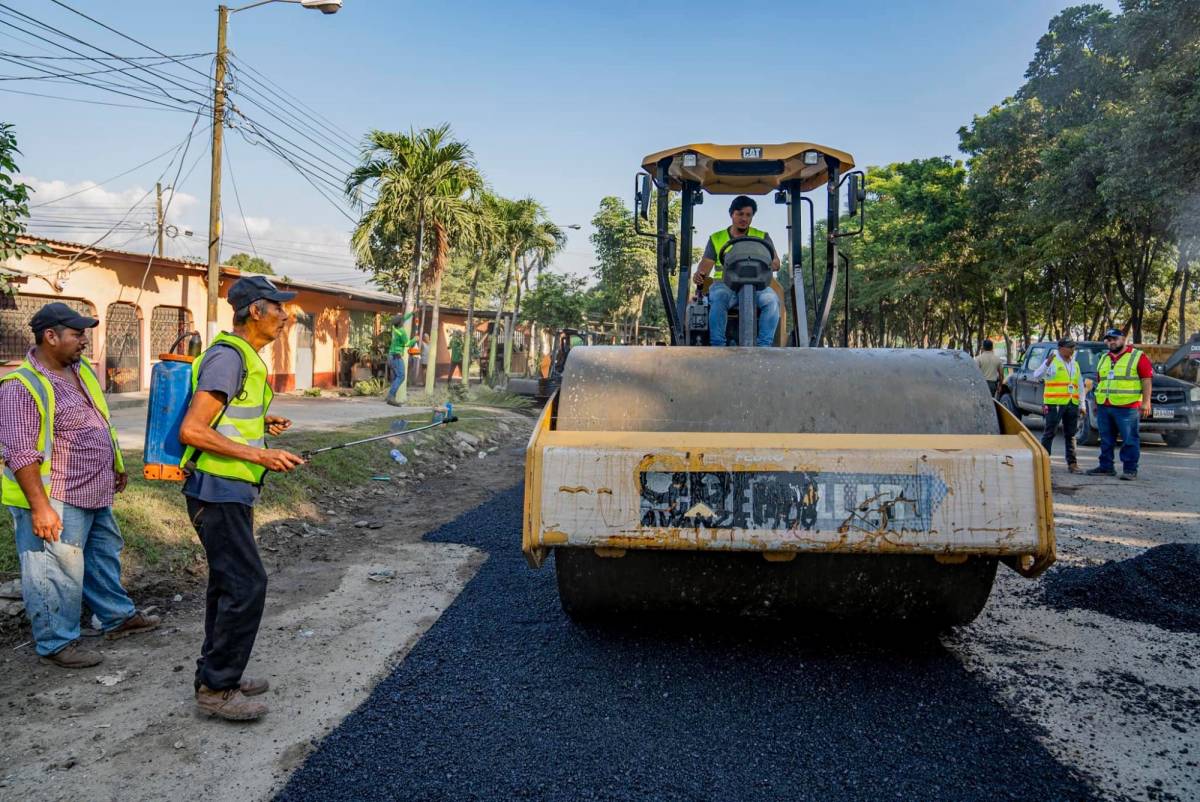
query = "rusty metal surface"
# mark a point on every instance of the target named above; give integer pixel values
(783, 390)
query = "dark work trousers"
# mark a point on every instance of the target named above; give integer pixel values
(1068, 416)
(237, 590)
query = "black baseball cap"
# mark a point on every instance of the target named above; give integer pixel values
(1066, 342)
(59, 314)
(1113, 333)
(248, 289)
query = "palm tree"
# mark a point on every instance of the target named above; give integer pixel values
(546, 240)
(424, 180)
(486, 256)
(517, 223)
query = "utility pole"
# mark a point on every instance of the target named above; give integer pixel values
(214, 193)
(158, 217)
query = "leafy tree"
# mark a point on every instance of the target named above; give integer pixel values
(14, 204)
(425, 182)
(559, 301)
(251, 264)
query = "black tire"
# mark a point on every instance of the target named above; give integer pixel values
(1181, 439)
(1086, 434)
(816, 589)
(1011, 405)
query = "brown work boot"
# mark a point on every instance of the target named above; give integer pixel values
(73, 656)
(138, 622)
(231, 704)
(1074, 468)
(253, 686)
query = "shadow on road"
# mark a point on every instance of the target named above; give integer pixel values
(504, 698)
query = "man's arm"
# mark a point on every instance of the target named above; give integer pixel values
(196, 431)
(775, 261)
(23, 458)
(1037, 374)
(1146, 373)
(707, 261)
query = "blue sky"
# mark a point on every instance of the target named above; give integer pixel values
(558, 101)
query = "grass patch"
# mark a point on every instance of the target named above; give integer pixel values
(503, 399)
(153, 517)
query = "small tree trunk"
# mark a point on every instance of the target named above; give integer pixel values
(512, 266)
(1185, 262)
(510, 330)
(410, 295)
(441, 255)
(469, 335)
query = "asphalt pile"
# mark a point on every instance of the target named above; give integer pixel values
(1160, 586)
(504, 698)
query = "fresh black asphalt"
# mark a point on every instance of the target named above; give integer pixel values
(506, 699)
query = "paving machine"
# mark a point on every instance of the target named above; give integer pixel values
(811, 482)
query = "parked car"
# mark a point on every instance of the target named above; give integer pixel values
(1175, 404)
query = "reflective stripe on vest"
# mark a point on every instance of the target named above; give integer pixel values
(1120, 384)
(245, 419)
(1062, 387)
(718, 241)
(42, 391)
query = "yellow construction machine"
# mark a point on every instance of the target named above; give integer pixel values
(811, 482)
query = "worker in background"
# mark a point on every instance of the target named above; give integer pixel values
(225, 461)
(397, 355)
(991, 366)
(1125, 376)
(1060, 397)
(720, 297)
(424, 354)
(62, 466)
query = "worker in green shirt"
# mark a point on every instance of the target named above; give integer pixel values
(398, 355)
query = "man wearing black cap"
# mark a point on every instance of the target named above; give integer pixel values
(1124, 380)
(1063, 385)
(225, 461)
(62, 466)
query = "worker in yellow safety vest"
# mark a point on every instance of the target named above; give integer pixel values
(1063, 384)
(1125, 377)
(225, 460)
(62, 466)
(720, 297)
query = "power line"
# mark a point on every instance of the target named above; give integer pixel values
(95, 102)
(180, 56)
(151, 160)
(53, 76)
(297, 101)
(237, 196)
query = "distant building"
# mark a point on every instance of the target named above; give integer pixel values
(337, 335)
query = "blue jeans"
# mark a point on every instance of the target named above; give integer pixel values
(1110, 421)
(83, 565)
(721, 298)
(397, 362)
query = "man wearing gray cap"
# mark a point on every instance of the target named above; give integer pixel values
(1060, 398)
(225, 462)
(62, 466)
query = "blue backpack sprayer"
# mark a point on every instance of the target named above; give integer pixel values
(170, 394)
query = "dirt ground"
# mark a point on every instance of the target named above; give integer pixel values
(1117, 700)
(348, 596)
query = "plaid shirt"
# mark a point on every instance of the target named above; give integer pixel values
(81, 463)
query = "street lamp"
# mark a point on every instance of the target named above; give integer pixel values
(214, 194)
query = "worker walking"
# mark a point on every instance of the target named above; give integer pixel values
(720, 297)
(1122, 391)
(990, 365)
(397, 355)
(1063, 383)
(62, 466)
(225, 461)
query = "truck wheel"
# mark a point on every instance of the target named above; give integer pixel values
(1184, 439)
(1087, 434)
(1011, 405)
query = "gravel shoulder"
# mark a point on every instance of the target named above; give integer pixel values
(345, 604)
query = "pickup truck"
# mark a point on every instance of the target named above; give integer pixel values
(1174, 404)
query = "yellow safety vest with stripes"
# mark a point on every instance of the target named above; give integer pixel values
(1062, 387)
(42, 391)
(718, 241)
(243, 421)
(1119, 383)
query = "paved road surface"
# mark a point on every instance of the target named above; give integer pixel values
(505, 699)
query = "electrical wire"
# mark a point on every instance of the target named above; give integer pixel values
(237, 196)
(151, 160)
(94, 102)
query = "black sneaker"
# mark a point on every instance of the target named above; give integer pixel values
(1102, 472)
(1128, 476)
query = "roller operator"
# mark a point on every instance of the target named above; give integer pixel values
(720, 297)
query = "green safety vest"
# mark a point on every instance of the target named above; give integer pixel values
(1120, 385)
(718, 241)
(1062, 387)
(243, 421)
(42, 391)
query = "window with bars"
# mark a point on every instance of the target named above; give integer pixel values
(16, 338)
(166, 324)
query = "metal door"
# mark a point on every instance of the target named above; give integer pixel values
(123, 349)
(304, 351)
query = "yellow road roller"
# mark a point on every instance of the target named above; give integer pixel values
(817, 483)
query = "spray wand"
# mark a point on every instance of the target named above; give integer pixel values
(449, 417)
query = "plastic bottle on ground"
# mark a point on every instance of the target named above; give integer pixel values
(398, 457)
